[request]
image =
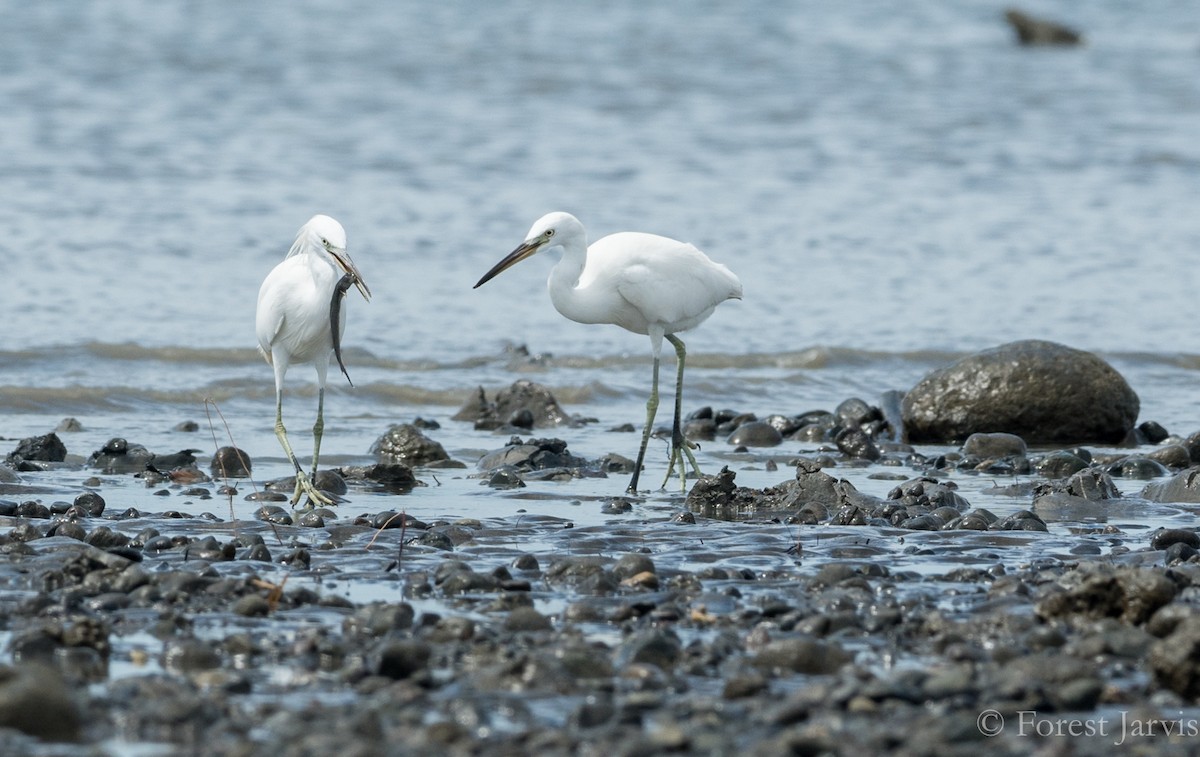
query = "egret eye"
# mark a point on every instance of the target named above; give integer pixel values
(549, 233)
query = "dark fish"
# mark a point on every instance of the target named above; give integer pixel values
(335, 316)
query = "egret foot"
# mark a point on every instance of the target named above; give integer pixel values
(304, 486)
(681, 448)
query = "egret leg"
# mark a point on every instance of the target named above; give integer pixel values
(303, 485)
(651, 409)
(680, 446)
(318, 430)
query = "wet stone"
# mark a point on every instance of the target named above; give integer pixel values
(119, 456)
(996, 445)
(274, 514)
(252, 606)
(47, 448)
(618, 506)
(266, 496)
(329, 481)
(631, 565)
(230, 462)
(32, 509)
(1060, 464)
(856, 443)
(36, 701)
(1179, 553)
(1172, 456)
(527, 619)
(527, 562)
(1041, 391)
(310, 519)
(532, 455)
(659, 648)
(437, 540)
(297, 558)
(1182, 487)
(68, 426)
(258, 552)
(407, 444)
(380, 619)
(104, 537)
(1022, 520)
(68, 530)
(391, 519)
(1138, 467)
(397, 478)
(403, 659)
(190, 655)
(1175, 660)
(524, 395)
(755, 434)
(1166, 537)
(467, 581)
(801, 655)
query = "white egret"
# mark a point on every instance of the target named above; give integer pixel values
(299, 321)
(641, 282)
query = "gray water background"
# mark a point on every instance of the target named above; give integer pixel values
(896, 184)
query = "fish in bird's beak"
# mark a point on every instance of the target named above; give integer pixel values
(526, 249)
(346, 264)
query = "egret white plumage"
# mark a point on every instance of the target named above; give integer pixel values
(643, 283)
(299, 321)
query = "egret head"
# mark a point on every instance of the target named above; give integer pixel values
(551, 230)
(324, 235)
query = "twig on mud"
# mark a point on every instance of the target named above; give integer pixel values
(216, 446)
(276, 590)
(395, 564)
(385, 524)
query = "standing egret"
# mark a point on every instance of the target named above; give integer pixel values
(299, 321)
(644, 283)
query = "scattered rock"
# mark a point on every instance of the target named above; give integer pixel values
(230, 462)
(994, 445)
(756, 434)
(35, 700)
(407, 445)
(1182, 487)
(1175, 660)
(119, 456)
(532, 455)
(522, 397)
(47, 448)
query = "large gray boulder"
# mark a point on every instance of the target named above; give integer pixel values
(1043, 392)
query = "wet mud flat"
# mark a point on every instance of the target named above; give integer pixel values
(726, 620)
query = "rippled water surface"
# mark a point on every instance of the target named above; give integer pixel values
(896, 185)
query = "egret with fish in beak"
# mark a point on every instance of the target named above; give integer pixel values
(299, 321)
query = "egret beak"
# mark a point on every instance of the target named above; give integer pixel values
(526, 249)
(343, 260)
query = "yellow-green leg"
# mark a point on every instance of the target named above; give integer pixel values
(318, 430)
(651, 409)
(680, 446)
(303, 484)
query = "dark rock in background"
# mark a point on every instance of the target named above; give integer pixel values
(525, 404)
(1035, 31)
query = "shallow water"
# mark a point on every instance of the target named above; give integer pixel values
(895, 187)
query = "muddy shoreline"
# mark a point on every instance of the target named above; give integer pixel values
(806, 617)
